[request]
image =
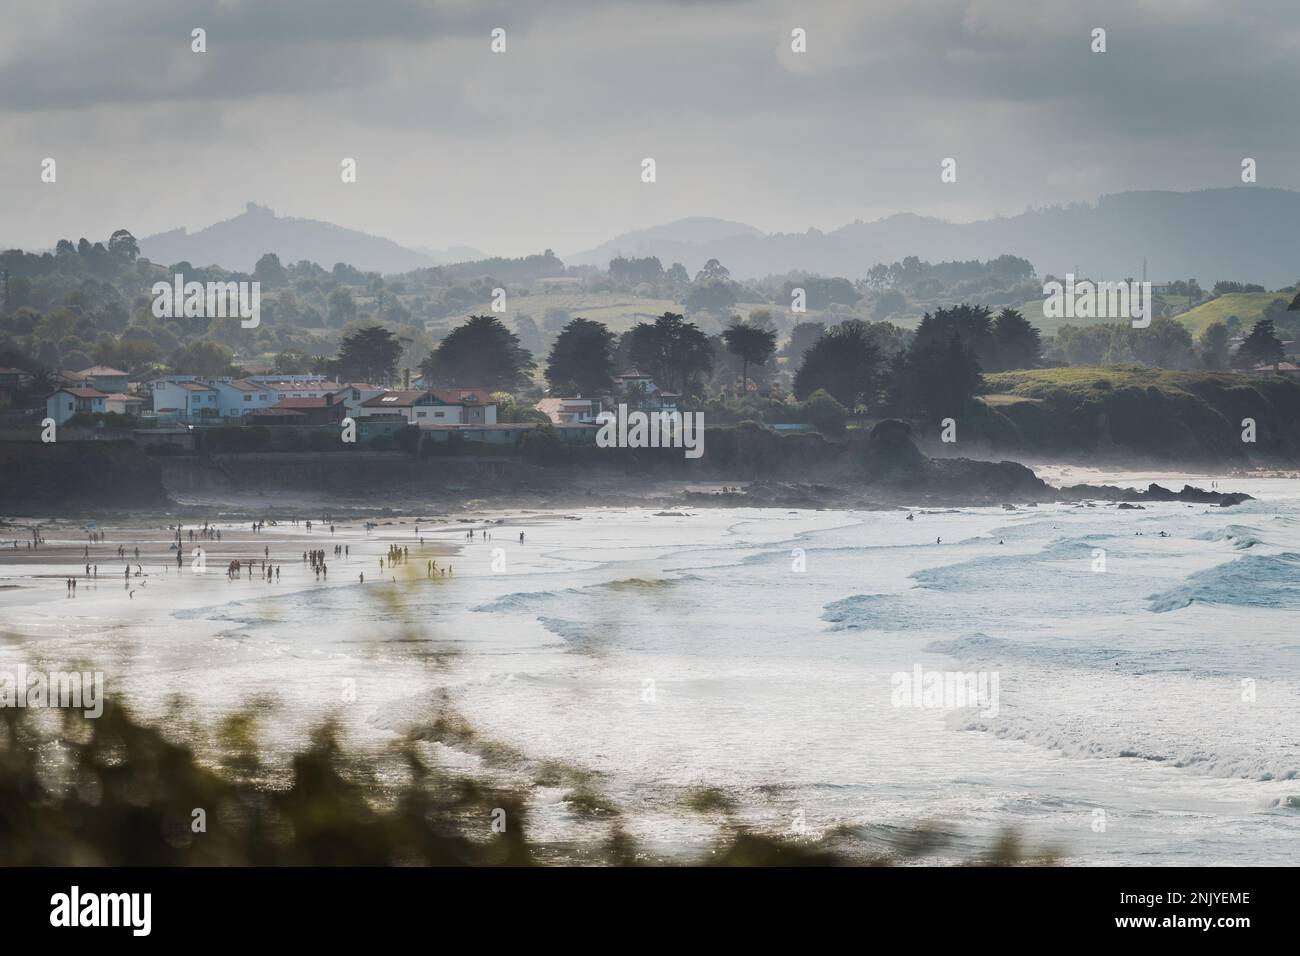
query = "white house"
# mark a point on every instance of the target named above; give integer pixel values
(185, 399)
(637, 389)
(104, 379)
(66, 402)
(124, 404)
(570, 411)
(237, 397)
(296, 386)
(354, 394)
(430, 407)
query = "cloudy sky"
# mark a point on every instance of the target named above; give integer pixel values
(542, 145)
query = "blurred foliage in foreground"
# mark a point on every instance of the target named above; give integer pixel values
(115, 791)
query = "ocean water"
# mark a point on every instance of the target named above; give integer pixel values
(1147, 666)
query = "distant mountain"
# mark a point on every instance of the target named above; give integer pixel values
(238, 243)
(1245, 233)
(452, 254)
(672, 242)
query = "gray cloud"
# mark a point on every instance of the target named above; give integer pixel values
(541, 146)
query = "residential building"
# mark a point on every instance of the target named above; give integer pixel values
(638, 390)
(186, 399)
(296, 386)
(323, 410)
(122, 403)
(355, 393)
(237, 397)
(69, 401)
(431, 407)
(103, 378)
(570, 411)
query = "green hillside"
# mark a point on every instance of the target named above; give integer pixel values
(1247, 306)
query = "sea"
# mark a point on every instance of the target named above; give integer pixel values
(1132, 676)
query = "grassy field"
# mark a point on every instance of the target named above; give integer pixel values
(1247, 306)
(1030, 383)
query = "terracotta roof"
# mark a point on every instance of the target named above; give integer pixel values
(83, 392)
(401, 398)
(320, 402)
(244, 385)
(461, 396)
(273, 412)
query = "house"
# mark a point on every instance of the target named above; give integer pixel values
(103, 378)
(570, 411)
(274, 416)
(432, 407)
(355, 393)
(477, 407)
(186, 399)
(397, 402)
(296, 386)
(69, 401)
(323, 410)
(638, 390)
(122, 403)
(237, 397)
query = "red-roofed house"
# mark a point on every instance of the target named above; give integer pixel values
(66, 402)
(105, 379)
(324, 410)
(430, 407)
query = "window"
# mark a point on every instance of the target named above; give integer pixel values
(248, 398)
(262, 397)
(423, 414)
(439, 414)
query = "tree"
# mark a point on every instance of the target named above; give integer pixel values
(672, 351)
(482, 353)
(973, 324)
(824, 413)
(270, 273)
(122, 245)
(1165, 344)
(1261, 345)
(207, 359)
(582, 359)
(936, 379)
(341, 308)
(845, 362)
(1017, 344)
(802, 337)
(752, 344)
(713, 269)
(1214, 347)
(713, 295)
(369, 355)
(293, 362)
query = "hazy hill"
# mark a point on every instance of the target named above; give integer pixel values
(1244, 233)
(238, 243)
(672, 242)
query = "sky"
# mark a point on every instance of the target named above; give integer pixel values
(541, 146)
